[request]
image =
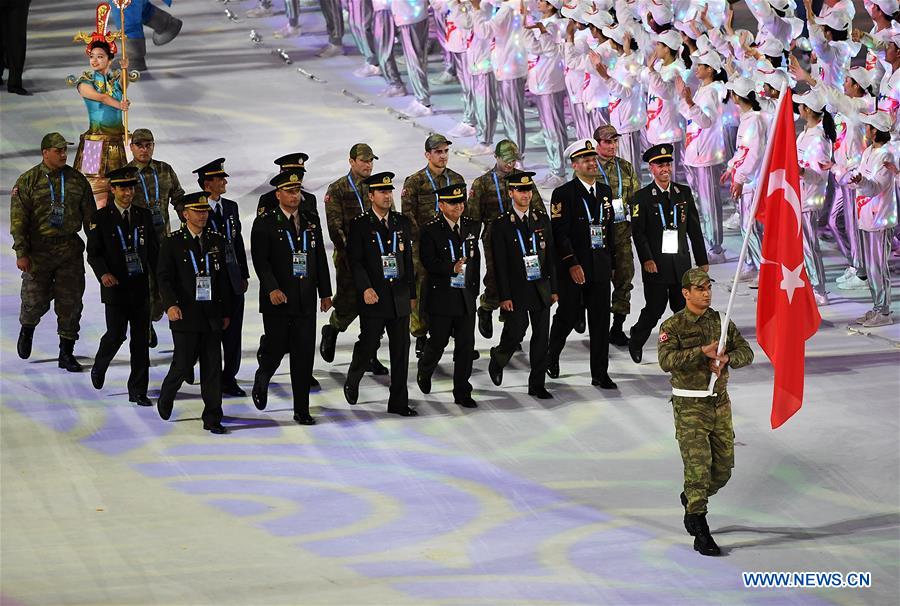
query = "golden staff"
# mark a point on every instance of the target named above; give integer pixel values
(122, 5)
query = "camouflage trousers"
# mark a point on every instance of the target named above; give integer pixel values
(490, 300)
(624, 268)
(418, 319)
(344, 310)
(57, 274)
(705, 437)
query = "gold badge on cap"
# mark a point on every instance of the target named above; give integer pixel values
(663, 150)
(457, 192)
(294, 178)
(526, 180)
(588, 145)
(202, 200)
(386, 180)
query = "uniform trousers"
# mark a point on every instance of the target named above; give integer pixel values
(656, 296)
(344, 302)
(231, 342)
(515, 323)
(877, 246)
(812, 252)
(360, 19)
(366, 348)
(484, 92)
(749, 224)
(13, 27)
(334, 20)
(490, 300)
(705, 435)
(118, 319)
(593, 296)
(295, 336)
(414, 38)
(188, 347)
(512, 110)
(57, 274)
(623, 279)
(383, 37)
(439, 330)
(551, 112)
(583, 128)
(704, 181)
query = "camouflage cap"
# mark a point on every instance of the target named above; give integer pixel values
(435, 140)
(695, 277)
(607, 132)
(507, 151)
(54, 141)
(142, 135)
(362, 151)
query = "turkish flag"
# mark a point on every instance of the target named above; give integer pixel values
(786, 313)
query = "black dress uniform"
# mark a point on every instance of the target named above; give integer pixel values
(289, 255)
(451, 297)
(380, 252)
(225, 219)
(656, 211)
(516, 241)
(186, 262)
(122, 242)
(291, 162)
(582, 218)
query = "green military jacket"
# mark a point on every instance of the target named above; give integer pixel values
(342, 204)
(156, 189)
(483, 203)
(34, 196)
(610, 172)
(418, 200)
(680, 340)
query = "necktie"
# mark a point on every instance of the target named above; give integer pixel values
(294, 228)
(127, 221)
(220, 220)
(525, 221)
(385, 223)
(591, 191)
(456, 230)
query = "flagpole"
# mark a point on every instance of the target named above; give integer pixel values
(757, 195)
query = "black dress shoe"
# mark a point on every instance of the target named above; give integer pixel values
(618, 337)
(328, 342)
(496, 372)
(314, 383)
(604, 382)
(424, 382)
(635, 350)
(18, 90)
(403, 412)
(475, 354)
(164, 409)
(485, 324)
(98, 377)
(259, 393)
(420, 346)
(153, 341)
(304, 419)
(553, 369)
(233, 389)
(377, 368)
(140, 399)
(216, 428)
(466, 402)
(540, 393)
(351, 393)
(26, 337)
(580, 325)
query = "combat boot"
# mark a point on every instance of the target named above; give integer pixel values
(66, 355)
(26, 337)
(703, 541)
(617, 336)
(684, 502)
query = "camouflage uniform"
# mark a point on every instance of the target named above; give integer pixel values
(484, 205)
(341, 206)
(703, 425)
(56, 253)
(157, 188)
(624, 265)
(419, 204)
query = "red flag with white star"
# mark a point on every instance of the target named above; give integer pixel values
(786, 313)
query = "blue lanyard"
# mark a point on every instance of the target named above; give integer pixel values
(291, 241)
(144, 184)
(381, 244)
(618, 170)
(62, 193)
(522, 243)
(227, 227)
(588, 211)
(662, 217)
(453, 250)
(497, 186)
(356, 191)
(194, 261)
(122, 238)
(434, 187)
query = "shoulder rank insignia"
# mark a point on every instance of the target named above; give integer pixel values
(634, 212)
(555, 210)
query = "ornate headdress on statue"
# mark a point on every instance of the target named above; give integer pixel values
(101, 34)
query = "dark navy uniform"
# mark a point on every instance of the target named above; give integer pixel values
(583, 232)
(380, 253)
(122, 242)
(515, 241)
(289, 255)
(656, 211)
(188, 263)
(451, 299)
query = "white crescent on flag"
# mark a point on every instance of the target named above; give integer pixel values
(778, 181)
